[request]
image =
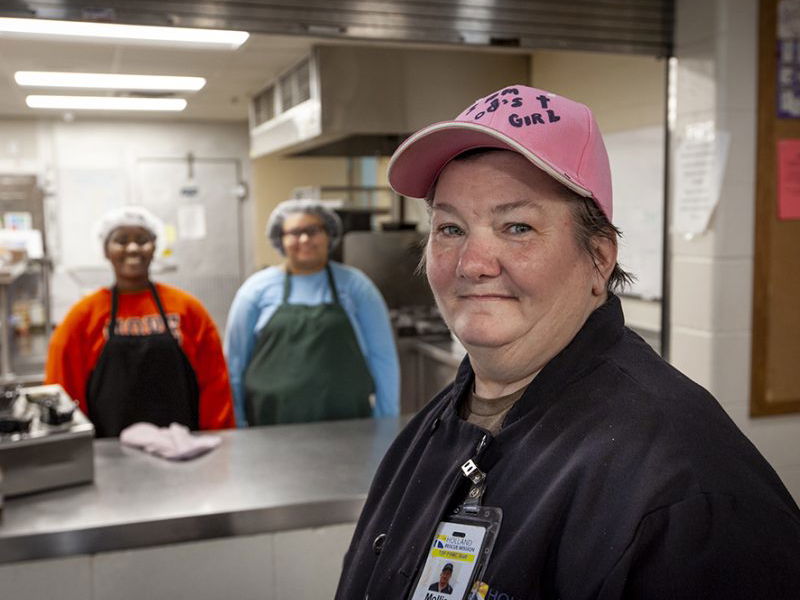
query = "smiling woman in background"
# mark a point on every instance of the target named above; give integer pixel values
(140, 351)
(309, 340)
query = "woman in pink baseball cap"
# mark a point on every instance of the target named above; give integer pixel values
(567, 459)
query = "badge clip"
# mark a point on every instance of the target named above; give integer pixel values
(472, 472)
(478, 478)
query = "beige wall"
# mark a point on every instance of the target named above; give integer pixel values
(274, 178)
(625, 92)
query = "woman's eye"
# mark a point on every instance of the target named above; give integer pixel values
(517, 228)
(450, 230)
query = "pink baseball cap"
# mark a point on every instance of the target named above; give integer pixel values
(558, 135)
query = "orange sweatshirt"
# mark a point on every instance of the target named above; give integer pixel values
(78, 340)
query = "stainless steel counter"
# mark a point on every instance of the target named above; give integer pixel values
(259, 480)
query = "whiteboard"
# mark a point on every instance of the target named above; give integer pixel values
(637, 174)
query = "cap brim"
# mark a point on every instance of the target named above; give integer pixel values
(419, 160)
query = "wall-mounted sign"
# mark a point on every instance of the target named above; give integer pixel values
(788, 64)
(192, 222)
(700, 159)
(788, 179)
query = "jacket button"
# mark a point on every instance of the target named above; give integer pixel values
(377, 545)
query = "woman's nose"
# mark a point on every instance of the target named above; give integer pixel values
(478, 258)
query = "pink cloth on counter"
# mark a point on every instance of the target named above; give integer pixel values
(175, 442)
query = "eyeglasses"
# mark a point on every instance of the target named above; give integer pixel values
(310, 231)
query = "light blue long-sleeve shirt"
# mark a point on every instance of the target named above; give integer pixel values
(261, 295)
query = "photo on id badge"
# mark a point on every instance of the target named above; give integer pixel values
(451, 562)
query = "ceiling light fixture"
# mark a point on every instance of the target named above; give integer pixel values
(109, 81)
(131, 33)
(105, 103)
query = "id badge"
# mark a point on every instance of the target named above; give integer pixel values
(458, 555)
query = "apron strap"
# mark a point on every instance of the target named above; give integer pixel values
(112, 325)
(331, 283)
(161, 309)
(287, 285)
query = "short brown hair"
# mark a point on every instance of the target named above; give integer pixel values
(590, 222)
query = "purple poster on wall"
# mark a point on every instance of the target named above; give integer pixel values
(789, 78)
(788, 67)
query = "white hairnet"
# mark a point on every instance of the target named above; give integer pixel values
(129, 216)
(330, 220)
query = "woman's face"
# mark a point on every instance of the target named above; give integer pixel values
(130, 250)
(502, 259)
(305, 242)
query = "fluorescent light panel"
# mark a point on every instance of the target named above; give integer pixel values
(105, 103)
(114, 31)
(109, 81)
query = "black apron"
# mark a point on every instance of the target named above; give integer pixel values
(307, 365)
(141, 378)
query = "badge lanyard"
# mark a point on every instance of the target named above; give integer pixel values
(461, 547)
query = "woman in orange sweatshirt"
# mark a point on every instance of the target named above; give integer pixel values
(140, 351)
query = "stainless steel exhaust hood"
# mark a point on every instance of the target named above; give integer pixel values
(362, 100)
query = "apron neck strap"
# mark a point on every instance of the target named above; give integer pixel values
(287, 284)
(331, 283)
(112, 326)
(156, 297)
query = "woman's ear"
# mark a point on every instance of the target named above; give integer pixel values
(604, 254)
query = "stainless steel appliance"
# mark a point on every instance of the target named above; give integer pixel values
(390, 260)
(45, 440)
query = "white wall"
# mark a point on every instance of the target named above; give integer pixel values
(88, 166)
(712, 274)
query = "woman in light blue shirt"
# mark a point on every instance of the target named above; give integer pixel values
(310, 340)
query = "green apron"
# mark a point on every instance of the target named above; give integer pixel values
(307, 366)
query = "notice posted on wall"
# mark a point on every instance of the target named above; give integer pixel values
(789, 179)
(788, 63)
(700, 161)
(192, 222)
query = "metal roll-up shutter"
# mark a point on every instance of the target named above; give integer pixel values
(624, 26)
